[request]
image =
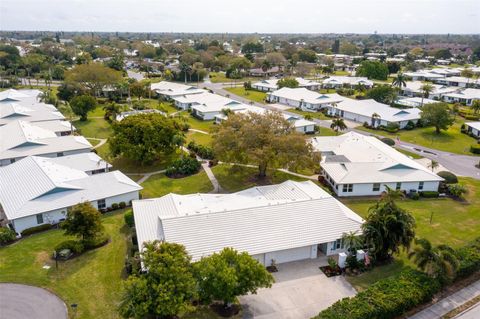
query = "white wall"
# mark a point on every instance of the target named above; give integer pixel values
(367, 189)
(5, 162)
(283, 256)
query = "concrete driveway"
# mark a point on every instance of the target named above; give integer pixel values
(21, 301)
(301, 291)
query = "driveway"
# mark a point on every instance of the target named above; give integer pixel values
(21, 301)
(301, 291)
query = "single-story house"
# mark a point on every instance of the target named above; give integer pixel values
(335, 82)
(414, 101)
(24, 96)
(304, 99)
(37, 190)
(465, 96)
(61, 128)
(423, 75)
(363, 110)
(260, 72)
(473, 128)
(27, 139)
(123, 115)
(14, 111)
(358, 165)
(446, 71)
(169, 90)
(89, 163)
(414, 88)
(271, 85)
(276, 223)
(459, 81)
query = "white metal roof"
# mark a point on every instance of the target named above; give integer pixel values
(29, 112)
(368, 160)
(415, 101)
(416, 87)
(84, 162)
(465, 94)
(350, 80)
(209, 102)
(273, 83)
(308, 96)
(172, 89)
(256, 220)
(56, 126)
(475, 125)
(36, 184)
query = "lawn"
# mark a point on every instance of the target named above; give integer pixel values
(93, 141)
(159, 185)
(97, 112)
(93, 127)
(252, 95)
(198, 124)
(453, 223)
(199, 138)
(325, 131)
(451, 140)
(410, 154)
(92, 280)
(219, 77)
(234, 179)
(316, 115)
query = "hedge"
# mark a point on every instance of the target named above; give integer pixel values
(475, 149)
(429, 194)
(388, 141)
(36, 229)
(6, 235)
(129, 219)
(469, 259)
(449, 177)
(183, 167)
(387, 298)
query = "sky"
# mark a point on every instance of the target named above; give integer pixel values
(244, 16)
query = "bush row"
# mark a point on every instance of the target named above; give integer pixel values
(204, 152)
(429, 194)
(183, 167)
(469, 259)
(115, 206)
(475, 149)
(36, 229)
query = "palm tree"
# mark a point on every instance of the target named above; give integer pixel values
(437, 262)
(476, 106)
(399, 81)
(433, 165)
(375, 118)
(467, 73)
(266, 65)
(111, 111)
(352, 241)
(338, 124)
(185, 69)
(426, 90)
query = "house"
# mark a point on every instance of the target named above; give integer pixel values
(358, 165)
(89, 163)
(206, 106)
(414, 88)
(271, 85)
(10, 112)
(414, 101)
(335, 82)
(169, 90)
(26, 96)
(39, 190)
(260, 72)
(60, 128)
(459, 81)
(465, 96)
(473, 128)
(304, 99)
(123, 115)
(423, 75)
(362, 111)
(301, 125)
(281, 223)
(26, 139)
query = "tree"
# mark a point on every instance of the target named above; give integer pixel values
(437, 262)
(229, 274)
(433, 165)
(443, 53)
(352, 241)
(338, 124)
(373, 70)
(82, 104)
(388, 227)
(185, 69)
(166, 289)
(426, 89)
(393, 67)
(111, 111)
(93, 77)
(144, 137)
(476, 106)
(307, 55)
(287, 82)
(252, 47)
(375, 119)
(266, 140)
(400, 81)
(84, 221)
(382, 94)
(438, 115)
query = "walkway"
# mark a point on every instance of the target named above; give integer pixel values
(22, 301)
(449, 303)
(216, 185)
(102, 141)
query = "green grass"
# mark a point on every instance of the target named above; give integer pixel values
(453, 223)
(252, 95)
(96, 128)
(236, 178)
(325, 131)
(315, 115)
(92, 280)
(159, 185)
(198, 124)
(97, 112)
(411, 154)
(199, 138)
(219, 77)
(93, 141)
(451, 140)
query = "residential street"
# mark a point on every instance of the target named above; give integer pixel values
(462, 165)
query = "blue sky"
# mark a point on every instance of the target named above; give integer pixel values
(264, 16)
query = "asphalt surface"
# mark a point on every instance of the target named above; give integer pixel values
(23, 302)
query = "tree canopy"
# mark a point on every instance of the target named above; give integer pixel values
(93, 77)
(437, 115)
(382, 94)
(373, 70)
(266, 140)
(83, 104)
(84, 221)
(287, 82)
(144, 137)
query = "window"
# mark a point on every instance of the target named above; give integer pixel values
(347, 188)
(420, 186)
(59, 154)
(101, 204)
(39, 218)
(339, 244)
(399, 186)
(376, 187)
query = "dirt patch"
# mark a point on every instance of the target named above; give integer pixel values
(43, 258)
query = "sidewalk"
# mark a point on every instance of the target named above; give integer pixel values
(449, 303)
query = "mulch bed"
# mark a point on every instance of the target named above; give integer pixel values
(220, 309)
(330, 272)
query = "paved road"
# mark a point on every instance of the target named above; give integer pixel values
(462, 165)
(471, 313)
(21, 301)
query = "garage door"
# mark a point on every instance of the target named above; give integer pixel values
(284, 256)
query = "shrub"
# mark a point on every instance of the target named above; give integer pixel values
(99, 241)
(391, 127)
(415, 196)
(387, 298)
(129, 219)
(183, 167)
(410, 125)
(204, 152)
(352, 262)
(429, 194)
(456, 190)
(449, 177)
(6, 235)
(75, 246)
(475, 149)
(36, 229)
(122, 205)
(469, 259)
(388, 141)
(115, 206)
